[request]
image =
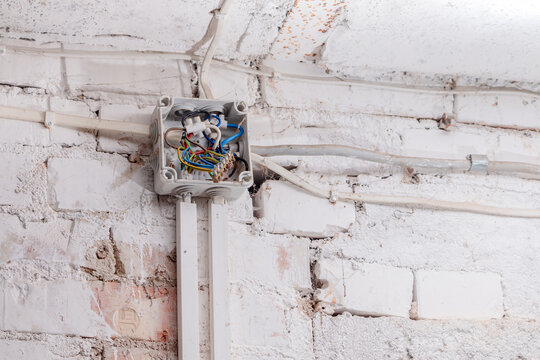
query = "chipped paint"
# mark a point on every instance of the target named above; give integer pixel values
(306, 28)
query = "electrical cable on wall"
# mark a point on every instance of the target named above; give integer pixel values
(199, 161)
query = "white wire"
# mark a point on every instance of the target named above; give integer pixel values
(218, 137)
(392, 200)
(266, 71)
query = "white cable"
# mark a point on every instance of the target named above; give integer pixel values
(454, 165)
(74, 121)
(218, 138)
(265, 71)
(407, 201)
(220, 16)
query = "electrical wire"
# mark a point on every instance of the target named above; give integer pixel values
(393, 200)
(265, 71)
(235, 136)
(526, 170)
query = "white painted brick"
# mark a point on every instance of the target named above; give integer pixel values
(305, 95)
(29, 70)
(47, 241)
(273, 260)
(125, 142)
(306, 29)
(241, 210)
(513, 111)
(347, 337)
(91, 309)
(267, 326)
(233, 85)
(24, 349)
(14, 165)
(284, 208)
(458, 295)
(364, 289)
(58, 307)
(145, 252)
(107, 185)
(124, 76)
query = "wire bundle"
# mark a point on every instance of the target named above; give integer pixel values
(195, 157)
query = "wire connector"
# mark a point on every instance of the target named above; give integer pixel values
(223, 166)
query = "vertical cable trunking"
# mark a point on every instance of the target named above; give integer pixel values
(219, 279)
(187, 275)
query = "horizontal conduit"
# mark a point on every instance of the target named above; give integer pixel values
(451, 165)
(406, 201)
(265, 71)
(81, 122)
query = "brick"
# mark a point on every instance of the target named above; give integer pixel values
(46, 241)
(364, 289)
(107, 185)
(133, 353)
(514, 111)
(125, 142)
(146, 252)
(138, 312)
(92, 309)
(15, 166)
(241, 210)
(266, 326)
(56, 307)
(347, 337)
(123, 76)
(277, 261)
(284, 208)
(458, 295)
(23, 349)
(311, 21)
(308, 95)
(28, 70)
(233, 85)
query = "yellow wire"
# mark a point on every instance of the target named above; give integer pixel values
(189, 165)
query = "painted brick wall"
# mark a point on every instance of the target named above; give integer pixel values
(87, 250)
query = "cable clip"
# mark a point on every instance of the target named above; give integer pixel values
(479, 163)
(49, 119)
(333, 198)
(276, 75)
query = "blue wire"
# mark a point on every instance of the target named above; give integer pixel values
(237, 135)
(218, 119)
(207, 162)
(195, 164)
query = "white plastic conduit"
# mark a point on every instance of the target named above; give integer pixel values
(407, 201)
(73, 121)
(220, 337)
(136, 128)
(187, 275)
(452, 165)
(265, 71)
(220, 17)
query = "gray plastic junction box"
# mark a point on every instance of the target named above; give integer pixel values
(171, 181)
